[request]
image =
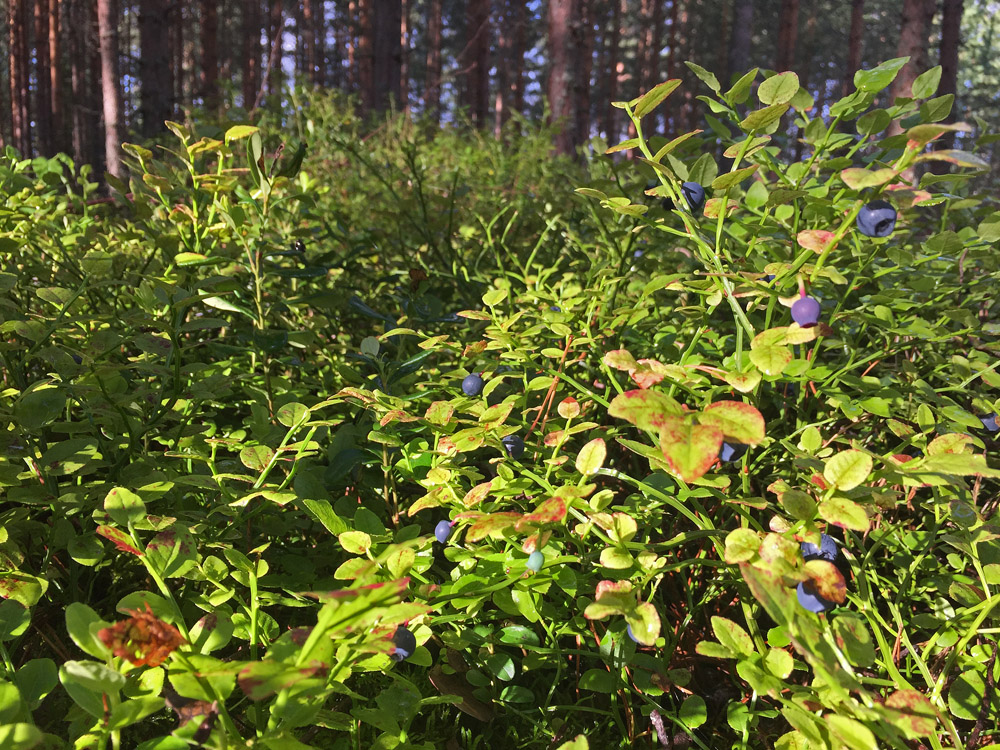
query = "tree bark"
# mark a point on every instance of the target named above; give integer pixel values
(19, 93)
(387, 53)
(404, 58)
(673, 38)
(308, 36)
(107, 22)
(916, 20)
(210, 54)
(432, 83)
(788, 30)
(43, 88)
(476, 60)
(951, 26)
(854, 45)
(56, 25)
(739, 46)
(78, 80)
(177, 52)
(155, 73)
(275, 30)
(365, 55)
(501, 101)
(560, 105)
(251, 52)
(583, 48)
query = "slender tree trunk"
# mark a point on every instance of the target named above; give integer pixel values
(94, 111)
(722, 52)
(353, 37)
(210, 54)
(19, 76)
(43, 89)
(583, 48)
(673, 38)
(177, 54)
(107, 21)
(558, 88)
(432, 84)
(251, 52)
(404, 59)
(686, 115)
(951, 26)
(275, 30)
(501, 105)
(476, 60)
(365, 55)
(319, 33)
(620, 70)
(806, 66)
(387, 53)
(155, 73)
(307, 36)
(56, 26)
(739, 47)
(77, 28)
(518, 26)
(854, 44)
(916, 21)
(788, 30)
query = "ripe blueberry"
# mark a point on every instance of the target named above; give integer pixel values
(628, 629)
(694, 194)
(769, 278)
(442, 531)
(514, 446)
(472, 385)
(990, 423)
(298, 246)
(731, 452)
(805, 311)
(535, 561)
(827, 549)
(877, 219)
(405, 643)
(811, 600)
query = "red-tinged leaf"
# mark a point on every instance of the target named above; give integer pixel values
(467, 440)
(737, 420)
(262, 679)
(827, 581)
(493, 524)
(362, 396)
(620, 359)
(645, 623)
(646, 377)
(552, 510)
(714, 205)
(690, 449)
(569, 408)
(952, 442)
(439, 413)
(605, 588)
(817, 240)
(611, 598)
(645, 409)
(477, 347)
(857, 178)
(477, 494)
(917, 718)
(119, 538)
(818, 480)
(396, 415)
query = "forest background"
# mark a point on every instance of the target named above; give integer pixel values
(83, 73)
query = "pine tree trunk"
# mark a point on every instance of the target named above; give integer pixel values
(854, 45)
(155, 72)
(673, 38)
(365, 53)
(739, 46)
(78, 79)
(307, 35)
(177, 52)
(501, 103)
(93, 114)
(787, 33)
(476, 60)
(404, 58)
(107, 22)
(19, 94)
(43, 89)
(518, 24)
(60, 131)
(319, 34)
(560, 105)
(916, 21)
(387, 53)
(275, 30)
(951, 26)
(209, 38)
(583, 48)
(432, 84)
(251, 52)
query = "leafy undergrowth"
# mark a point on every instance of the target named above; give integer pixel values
(723, 477)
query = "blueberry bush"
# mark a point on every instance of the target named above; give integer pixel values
(326, 438)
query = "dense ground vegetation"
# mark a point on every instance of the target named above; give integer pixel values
(238, 411)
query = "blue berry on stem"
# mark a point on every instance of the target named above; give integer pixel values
(827, 549)
(514, 446)
(472, 385)
(990, 423)
(731, 452)
(811, 600)
(694, 194)
(876, 219)
(631, 635)
(405, 644)
(442, 531)
(535, 561)
(805, 311)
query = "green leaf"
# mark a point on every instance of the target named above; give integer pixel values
(645, 409)
(598, 681)
(689, 449)
(591, 457)
(843, 512)
(87, 682)
(965, 697)
(732, 636)
(693, 711)
(853, 734)
(124, 506)
(741, 89)
(172, 552)
(859, 179)
(133, 711)
(937, 109)
(652, 98)
(854, 639)
(707, 77)
(623, 146)
(778, 89)
(737, 420)
(35, 679)
(741, 545)
(82, 624)
(762, 118)
(578, 743)
(771, 360)
(728, 179)
(847, 469)
(14, 619)
(19, 736)
(293, 414)
(355, 542)
(876, 79)
(926, 84)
